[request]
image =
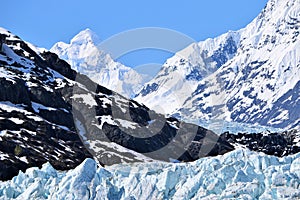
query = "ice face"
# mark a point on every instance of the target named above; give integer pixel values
(239, 174)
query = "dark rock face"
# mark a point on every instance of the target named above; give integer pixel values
(33, 143)
(225, 51)
(215, 146)
(148, 133)
(277, 144)
(2, 40)
(59, 65)
(14, 91)
(47, 98)
(149, 88)
(36, 124)
(194, 75)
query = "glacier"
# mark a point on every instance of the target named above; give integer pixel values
(240, 174)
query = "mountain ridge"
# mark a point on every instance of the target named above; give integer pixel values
(257, 73)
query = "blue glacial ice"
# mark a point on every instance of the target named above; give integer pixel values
(240, 174)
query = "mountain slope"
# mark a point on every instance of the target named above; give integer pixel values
(36, 124)
(255, 79)
(180, 74)
(85, 57)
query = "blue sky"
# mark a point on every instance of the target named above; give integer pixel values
(44, 23)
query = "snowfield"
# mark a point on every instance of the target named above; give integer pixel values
(240, 174)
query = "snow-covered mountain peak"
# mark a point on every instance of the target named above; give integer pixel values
(182, 72)
(84, 36)
(254, 70)
(85, 57)
(83, 47)
(278, 17)
(263, 75)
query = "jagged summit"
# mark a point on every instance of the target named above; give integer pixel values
(86, 35)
